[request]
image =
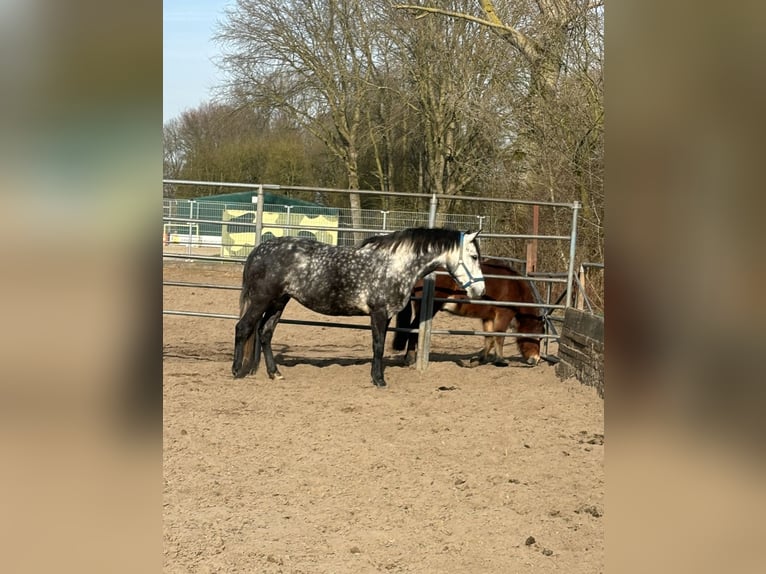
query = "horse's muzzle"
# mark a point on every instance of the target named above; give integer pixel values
(533, 361)
(475, 289)
(474, 286)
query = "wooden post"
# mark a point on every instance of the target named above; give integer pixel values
(580, 299)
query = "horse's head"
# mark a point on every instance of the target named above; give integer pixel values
(530, 350)
(463, 263)
(529, 347)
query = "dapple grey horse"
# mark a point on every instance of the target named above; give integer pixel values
(374, 278)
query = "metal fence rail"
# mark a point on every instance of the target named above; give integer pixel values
(339, 325)
(201, 222)
(204, 226)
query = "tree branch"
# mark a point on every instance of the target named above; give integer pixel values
(434, 10)
(523, 43)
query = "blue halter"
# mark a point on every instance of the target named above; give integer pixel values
(461, 263)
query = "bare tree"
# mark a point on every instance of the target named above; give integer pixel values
(557, 133)
(540, 38)
(455, 83)
(218, 142)
(173, 153)
(309, 59)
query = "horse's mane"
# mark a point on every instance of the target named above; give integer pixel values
(418, 239)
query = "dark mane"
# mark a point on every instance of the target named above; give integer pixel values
(419, 239)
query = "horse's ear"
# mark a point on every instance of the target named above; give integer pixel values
(471, 236)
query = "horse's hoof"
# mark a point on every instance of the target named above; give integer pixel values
(533, 361)
(481, 359)
(501, 362)
(379, 384)
(276, 376)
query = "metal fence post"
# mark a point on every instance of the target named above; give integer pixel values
(427, 303)
(191, 216)
(259, 216)
(572, 247)
(288, 231)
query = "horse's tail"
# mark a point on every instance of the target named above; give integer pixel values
(403, 321)
(251, 347)
(244, 302)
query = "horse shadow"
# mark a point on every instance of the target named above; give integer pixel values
(290, 357)
(470, 360)
(329, 355)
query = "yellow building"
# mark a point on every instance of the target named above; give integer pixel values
(238, 240)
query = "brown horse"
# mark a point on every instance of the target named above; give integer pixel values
(494, 318)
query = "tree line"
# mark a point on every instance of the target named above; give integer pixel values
(468, 98)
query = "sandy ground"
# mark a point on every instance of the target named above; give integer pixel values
(455, 470)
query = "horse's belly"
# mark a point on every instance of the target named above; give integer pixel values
(334, 306)
(469, 310)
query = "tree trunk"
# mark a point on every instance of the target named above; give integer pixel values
(355, 200)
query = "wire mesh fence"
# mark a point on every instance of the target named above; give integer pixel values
(231, 226)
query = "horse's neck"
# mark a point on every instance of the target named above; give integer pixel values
(426, 263)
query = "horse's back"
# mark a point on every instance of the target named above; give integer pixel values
(506, 289)
(283, 254)
(274, 258)
(274, 262)
(322, 277)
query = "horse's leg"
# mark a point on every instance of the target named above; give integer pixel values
(403, 320)
(379, 321)
(268, 324)
(407, 342)
(488, 325)
(412, 346)
(412, 338)
(503, 319)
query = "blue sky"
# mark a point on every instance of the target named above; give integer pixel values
(189, 74)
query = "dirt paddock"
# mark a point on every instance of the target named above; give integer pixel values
(455, 470)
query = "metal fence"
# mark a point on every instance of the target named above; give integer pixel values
(231, 225)
(200, 230)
